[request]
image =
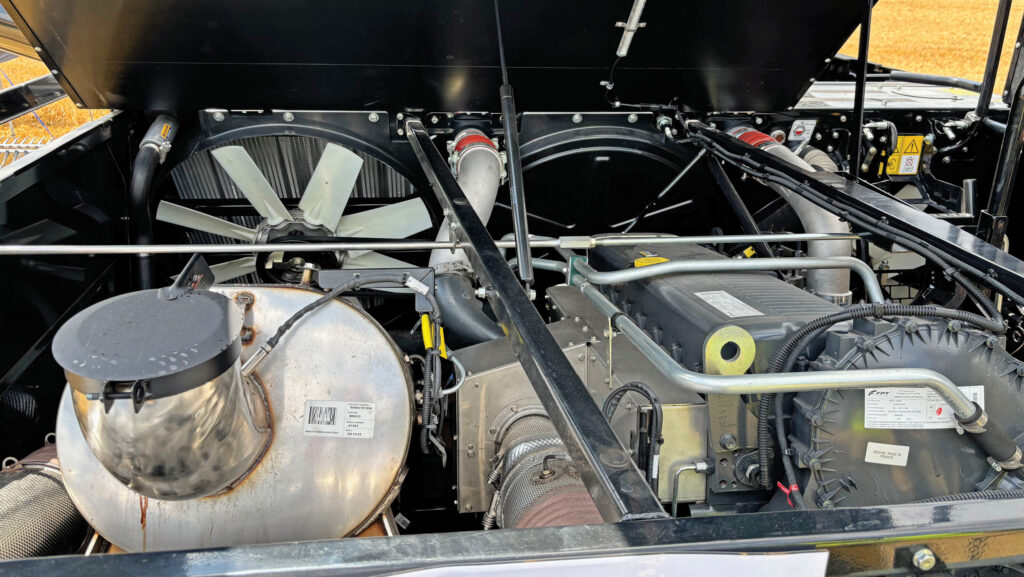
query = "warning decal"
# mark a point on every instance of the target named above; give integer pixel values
(906, 159)
(912, 407)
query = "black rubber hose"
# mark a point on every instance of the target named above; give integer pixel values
(428, 400)
(796, 497)
(359, 281)
(465, 321)
(935, 80)
(764, 462)
(611, 403)
(993, 495)
(143, 170)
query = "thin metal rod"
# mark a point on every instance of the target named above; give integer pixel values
(742, 213)
(580, 242)
(995, 48)
(871, 286)
(516, 190)
(647, 208)
(862, 78)
(774, 382)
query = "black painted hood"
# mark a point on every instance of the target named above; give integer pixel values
(431, 55)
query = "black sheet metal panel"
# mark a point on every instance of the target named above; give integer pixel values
(972, 526)
(618, 488)
(942, 235)
(28, 96)
(431, 55)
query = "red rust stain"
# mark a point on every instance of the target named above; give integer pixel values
(143, 507)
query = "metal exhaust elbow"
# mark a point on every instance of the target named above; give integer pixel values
(833, 285)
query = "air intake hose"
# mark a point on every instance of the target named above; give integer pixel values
(478, 167)
(37, 516)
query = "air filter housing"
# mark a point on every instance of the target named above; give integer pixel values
(158, 393)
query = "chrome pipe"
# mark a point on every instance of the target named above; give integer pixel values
(544, 264)
(578, 242)
(775, 383)
(871, 286)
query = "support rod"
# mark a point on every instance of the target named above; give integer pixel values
(862, 78)
(995, 48)
(619, 490)
(746, 219)
(578, 242)
(516, 192)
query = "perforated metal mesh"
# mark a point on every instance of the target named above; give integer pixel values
(37, 516)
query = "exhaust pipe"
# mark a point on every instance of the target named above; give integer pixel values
(832, 285)
(478, 168)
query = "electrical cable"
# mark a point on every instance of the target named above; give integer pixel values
(878, 226)
(611, 403)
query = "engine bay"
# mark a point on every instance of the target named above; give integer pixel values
(487, 334)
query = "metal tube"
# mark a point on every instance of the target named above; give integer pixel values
(774, 382)
(988, 81)
(544, 264)
(860, 88)
(410, 245)
(871, 286)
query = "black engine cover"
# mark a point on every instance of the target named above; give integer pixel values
(679, 311)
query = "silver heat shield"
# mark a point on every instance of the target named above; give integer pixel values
(341, 408)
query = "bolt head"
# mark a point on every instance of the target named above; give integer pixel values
(218, 116)
(924, 559)
(401, 132)
(817, 136)
(374, 117)
(632, 118)
(433, 119)
(288, 116)
(842, 118)
(399, 116)
(946, 160)
(577, 118)
(759, 121)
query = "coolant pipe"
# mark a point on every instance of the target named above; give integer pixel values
(773, 382)
(972, 418)
(478, 170)
(871, 287)
(833, 285)
(152, 152)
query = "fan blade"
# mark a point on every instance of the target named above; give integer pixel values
(232, 269)
(250, 181)
(372, 259)
(399, 220)
(188, 218)
(330, 186)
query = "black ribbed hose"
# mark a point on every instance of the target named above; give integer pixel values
(608, 410)
(993, 495)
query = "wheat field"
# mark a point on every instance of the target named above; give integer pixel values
(948, 37)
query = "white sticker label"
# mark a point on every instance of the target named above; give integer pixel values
(728, 305)
(802, 129)
(912, 407)
(883, 454)
(908, 164)
(338, 419)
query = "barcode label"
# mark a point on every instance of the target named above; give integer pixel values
(347, 420)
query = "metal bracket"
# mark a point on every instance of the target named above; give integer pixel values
(571, 270)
